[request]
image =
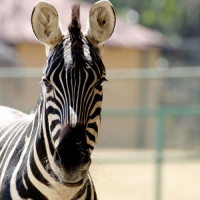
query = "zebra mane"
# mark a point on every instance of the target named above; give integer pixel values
(75, 26)
(76, 38)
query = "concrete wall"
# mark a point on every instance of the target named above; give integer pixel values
(33, 55)
(117, 58)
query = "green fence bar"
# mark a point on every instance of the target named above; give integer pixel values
(159, 143)
(189, 110)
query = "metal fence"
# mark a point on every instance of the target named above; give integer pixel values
(160, 112)
(174, 101)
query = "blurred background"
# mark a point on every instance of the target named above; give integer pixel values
(149, 147)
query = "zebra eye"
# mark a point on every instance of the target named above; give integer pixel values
(100, 81)
(47, 84)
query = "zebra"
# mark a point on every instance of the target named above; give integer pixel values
(47, 154)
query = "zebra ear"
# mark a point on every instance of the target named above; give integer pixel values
(102, 21)
(45, 24)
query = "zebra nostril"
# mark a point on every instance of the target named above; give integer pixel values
(86, 158)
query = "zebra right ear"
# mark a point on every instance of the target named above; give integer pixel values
(102, 21)
(45, 24)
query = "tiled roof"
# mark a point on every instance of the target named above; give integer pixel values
(15, 24)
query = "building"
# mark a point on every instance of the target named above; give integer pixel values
(131, 46)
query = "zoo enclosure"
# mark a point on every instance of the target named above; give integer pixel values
(162, 111)
(166, 98)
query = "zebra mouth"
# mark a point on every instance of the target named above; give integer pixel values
(71, 176)
(76, 184)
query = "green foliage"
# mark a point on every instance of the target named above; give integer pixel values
(164, 15)
(172, 17)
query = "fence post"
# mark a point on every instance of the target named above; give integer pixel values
(159, 142)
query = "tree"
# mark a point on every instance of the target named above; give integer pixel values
(181, 17)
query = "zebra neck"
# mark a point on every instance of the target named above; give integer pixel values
(43, 149)
(39, 179)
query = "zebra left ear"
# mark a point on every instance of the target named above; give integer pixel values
(45, 24)
(102, 21)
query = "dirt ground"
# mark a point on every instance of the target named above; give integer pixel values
(136, 180)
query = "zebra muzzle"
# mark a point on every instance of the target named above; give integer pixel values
(72, 156)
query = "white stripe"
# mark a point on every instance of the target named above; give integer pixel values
(53, 117)
(49, 156)
(78, 102)
(86, 51)
(97, 105)
(65, 102)
(55, 130)
(10, 140)
(40, 186)
(69, 99)
(67, 52)
(10, 128)
(8, 156)
(57, 89)
(14, 192)
(73, 116)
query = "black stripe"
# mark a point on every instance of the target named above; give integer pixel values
(36, 171)
(33, 192)
(93, 126)
(97, 112)
(54, 123)
(21, 188)
(88, 196)
(56, 136)
(80, 193)
(52, 110)
(90, 147)
(51, 147)
(90, 136)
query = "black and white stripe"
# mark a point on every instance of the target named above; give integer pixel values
(46, 155)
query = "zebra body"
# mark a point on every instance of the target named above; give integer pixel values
(46, 155)
(20, 181)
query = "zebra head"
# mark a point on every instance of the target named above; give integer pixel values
(72, 84)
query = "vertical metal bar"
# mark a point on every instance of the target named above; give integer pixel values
(142, 123)
(159, 153)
